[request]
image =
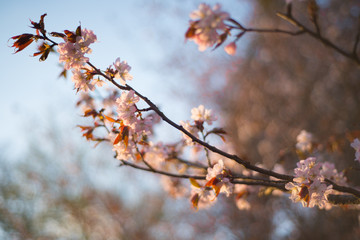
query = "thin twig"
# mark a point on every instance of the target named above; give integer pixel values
(142, 157)
(189, 163)
(317, 35)
(260, 30)
(237, 159)
(126, 163)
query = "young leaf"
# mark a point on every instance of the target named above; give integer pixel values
(22, 41)
(194, 183)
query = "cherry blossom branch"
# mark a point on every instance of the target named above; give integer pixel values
(263, 30)
(303, 30)
(213, 148)
(219, 178)
(237, 159)
(316, 34)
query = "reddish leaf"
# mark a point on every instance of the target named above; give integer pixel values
(304, 194)
(40, 26)
(70, 36)
(212, 182)
(56, 34)
(123, 135)
(118, 139)
(78, 30)
(87, 132)
(91, 112)
(44, 50)
(22, 41)
(190, 33)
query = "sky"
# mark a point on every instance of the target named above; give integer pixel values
(147, 34)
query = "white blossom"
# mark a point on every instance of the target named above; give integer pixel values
(356, 145)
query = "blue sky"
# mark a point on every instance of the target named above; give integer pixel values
(147, 34)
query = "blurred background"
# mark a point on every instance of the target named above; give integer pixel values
(55, 185)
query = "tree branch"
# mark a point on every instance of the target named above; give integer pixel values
(126, 163)
(290, 19)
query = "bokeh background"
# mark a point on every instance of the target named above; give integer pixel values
(55, 185)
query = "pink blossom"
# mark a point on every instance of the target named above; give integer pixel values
(356, 145)
(156, 154)
(218, 171)
(329, 171)
(206, 196)
(72, 54)
(203, 115)
(307, 186)
(81, 82)
(122, 71)
(215, 170)
(207, 24)
(126, 108)
(123, 151)
(191, 129)
(307, 170)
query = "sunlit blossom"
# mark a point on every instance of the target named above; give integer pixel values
(122, 71)
(207, 24)
(304, 141)
(203, 115)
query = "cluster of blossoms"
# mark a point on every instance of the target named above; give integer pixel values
(133, 126)
(308, 186)
(76, 45)
(128, 128)
(206, 24)
(72, 54)
(200, 115)
(121, 72)
(218, 181)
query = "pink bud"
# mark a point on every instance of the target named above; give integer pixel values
(231, 48)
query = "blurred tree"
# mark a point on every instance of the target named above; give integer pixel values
(284, 84)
